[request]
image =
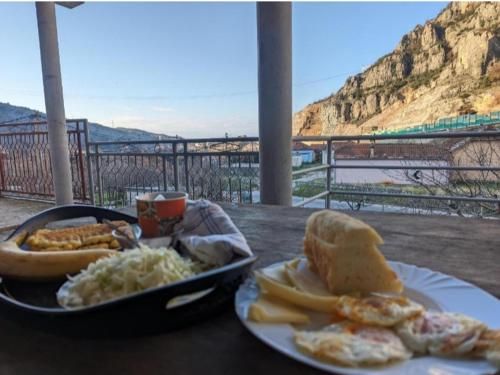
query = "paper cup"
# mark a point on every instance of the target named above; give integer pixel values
(157, 213)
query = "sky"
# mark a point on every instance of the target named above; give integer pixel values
(190, 69)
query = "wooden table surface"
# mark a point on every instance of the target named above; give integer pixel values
(466, 248)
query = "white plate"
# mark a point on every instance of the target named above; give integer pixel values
(434, 290)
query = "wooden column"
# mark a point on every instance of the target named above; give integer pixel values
(54, 102)
(274, 35)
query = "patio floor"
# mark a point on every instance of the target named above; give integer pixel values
(15, 211)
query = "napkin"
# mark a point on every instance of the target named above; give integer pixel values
(209, 234)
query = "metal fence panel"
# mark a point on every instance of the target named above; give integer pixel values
(25, 166)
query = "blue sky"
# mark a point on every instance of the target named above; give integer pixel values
(191, 68)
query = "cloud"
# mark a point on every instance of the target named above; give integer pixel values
(162, 109)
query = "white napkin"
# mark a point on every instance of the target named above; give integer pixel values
(210, 235)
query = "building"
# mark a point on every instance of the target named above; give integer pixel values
(296, 161)
(310, 153)
(480, 152)
(307, 156)
(350, 158)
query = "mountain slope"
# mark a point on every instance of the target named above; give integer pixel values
(449, 66)
(97, 132)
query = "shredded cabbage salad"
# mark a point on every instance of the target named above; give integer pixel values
(128, 272)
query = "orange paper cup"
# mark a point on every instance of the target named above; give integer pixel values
(157, 217)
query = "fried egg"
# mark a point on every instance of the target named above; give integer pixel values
(352, 344)
(488, 346)
(440, 333)
(377, 310)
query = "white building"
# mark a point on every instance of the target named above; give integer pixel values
(350, 158)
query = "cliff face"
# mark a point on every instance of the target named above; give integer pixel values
(447, 67)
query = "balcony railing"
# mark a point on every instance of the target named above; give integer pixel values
(420, 173)
(221, 169)
(25, 168)
(443, 173)
(429, 173)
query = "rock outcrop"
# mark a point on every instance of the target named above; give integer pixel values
(447, 67)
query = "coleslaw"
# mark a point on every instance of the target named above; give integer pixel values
(128, 272)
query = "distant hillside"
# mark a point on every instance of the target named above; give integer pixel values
(97, 132)
(447, 67)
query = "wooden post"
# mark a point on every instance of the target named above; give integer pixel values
(54, 102)
(274, 35)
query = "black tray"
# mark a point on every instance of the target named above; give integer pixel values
(34, 303)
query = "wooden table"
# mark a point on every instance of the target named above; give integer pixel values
(465, 248)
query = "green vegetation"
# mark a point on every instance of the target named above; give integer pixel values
(394, 86)
(309, 189)
(459, 19)
(113, 198)
(380, 59)
(305, 166)
(358, 94)
(423, 79)
(484, 82)
(317, 186)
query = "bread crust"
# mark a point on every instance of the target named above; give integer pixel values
(343, 252)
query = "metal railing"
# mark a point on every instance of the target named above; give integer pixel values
(227, 169)
(25, 167)
(222, 169)
(459, 178)
(449, 172)
(448, 124)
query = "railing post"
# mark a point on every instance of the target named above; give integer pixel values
(176, 166)
(98, 175)
(2, 175)
(328, 172)
(80, 160)
(186, 170)
(89, 163)
(164, 163)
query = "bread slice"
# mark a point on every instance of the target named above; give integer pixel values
(343, 252)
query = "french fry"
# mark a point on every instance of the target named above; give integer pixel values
(294, 296)
(305, 283)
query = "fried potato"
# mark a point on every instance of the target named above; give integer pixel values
(92, 236)
(304, 282)
(294, 296)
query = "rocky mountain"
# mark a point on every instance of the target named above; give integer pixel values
(97, 132)
(447, 67)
